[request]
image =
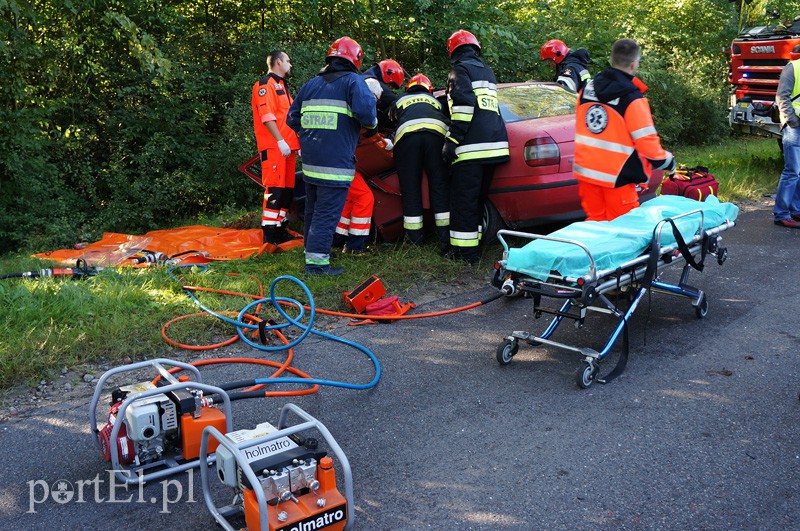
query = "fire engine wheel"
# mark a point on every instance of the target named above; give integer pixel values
(586, 374)
(506, 351)
(701, 310)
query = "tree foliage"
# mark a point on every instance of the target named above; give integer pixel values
(129, 114)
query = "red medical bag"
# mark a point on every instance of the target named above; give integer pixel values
(694, 183)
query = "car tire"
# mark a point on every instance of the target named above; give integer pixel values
(491, 222)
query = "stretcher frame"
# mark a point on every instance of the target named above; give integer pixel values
(589, 292)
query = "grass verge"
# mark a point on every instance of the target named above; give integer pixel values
(47, 324)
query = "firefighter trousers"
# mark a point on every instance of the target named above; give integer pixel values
(356, 216)
(324, 205)
(277, 176)
(468, 192)
(414, 153)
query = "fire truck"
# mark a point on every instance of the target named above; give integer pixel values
(756, 58)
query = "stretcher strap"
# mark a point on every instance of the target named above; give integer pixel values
(655, 253)
(623, 357)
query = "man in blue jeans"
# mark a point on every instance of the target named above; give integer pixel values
(786, 212)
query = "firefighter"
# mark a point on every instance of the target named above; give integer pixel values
(327, 115)
(277, 146)
(572, 68)
(616, 143)
(418, 142)
(476, 142)
(352, 231)
(383, 79)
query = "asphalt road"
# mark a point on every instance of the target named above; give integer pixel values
(700, 432)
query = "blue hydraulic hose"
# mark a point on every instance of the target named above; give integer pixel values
(306, 329)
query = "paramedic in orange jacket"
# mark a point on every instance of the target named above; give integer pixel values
(277, 146)
(616, 143)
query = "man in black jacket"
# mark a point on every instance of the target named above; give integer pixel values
(572, 68)
(475, 144)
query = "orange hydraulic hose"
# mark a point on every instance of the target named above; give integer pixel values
(357, 315)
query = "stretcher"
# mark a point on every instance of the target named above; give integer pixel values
(607, 268)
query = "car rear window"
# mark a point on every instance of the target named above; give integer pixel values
(524, 102)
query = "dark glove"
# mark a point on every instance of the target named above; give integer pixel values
(370, 132)
(448, 152)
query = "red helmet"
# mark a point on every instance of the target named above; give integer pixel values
(460, 38)
(420, 80)
(554, 49)
(347, 48)
(392, 72)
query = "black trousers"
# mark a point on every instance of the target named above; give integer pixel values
(469, 190)
(414, 153)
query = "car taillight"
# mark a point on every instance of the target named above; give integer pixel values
(542, 151)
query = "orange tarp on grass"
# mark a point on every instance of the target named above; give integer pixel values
(209, 242)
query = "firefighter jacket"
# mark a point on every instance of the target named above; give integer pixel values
(573, 72)
(417, 111)
(270, 101)
(327, 114)
(385, 96)
(476, 126)
(787, 94)
(615, 139)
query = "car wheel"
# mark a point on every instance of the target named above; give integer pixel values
(492, 222)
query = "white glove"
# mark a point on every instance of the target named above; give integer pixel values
(671, 166)
(299, 155)
(389, 144)
(284, 147)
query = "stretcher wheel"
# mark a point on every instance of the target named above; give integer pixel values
(506, 351)
(586, 374)
(701, 310)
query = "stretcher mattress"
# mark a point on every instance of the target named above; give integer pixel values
(614, 243)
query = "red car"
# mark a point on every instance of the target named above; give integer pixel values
(535, 187)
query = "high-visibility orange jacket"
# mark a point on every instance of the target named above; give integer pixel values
(271, 101)
(616, 142)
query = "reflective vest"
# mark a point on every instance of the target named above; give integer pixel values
(328, 114)
(270, 101)
(796, 89)
(616, 141)
(476, 126)
(418, 111)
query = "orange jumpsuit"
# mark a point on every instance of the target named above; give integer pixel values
(616, 145)
(270, 101)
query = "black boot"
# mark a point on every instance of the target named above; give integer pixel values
(269, 234)
(443, 236)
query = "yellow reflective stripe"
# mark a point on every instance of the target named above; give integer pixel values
(487, 154)
(481, 146)
(412, 222)
(464, 239)
(329, 174)
(485, 92)
(324, 105)
(423, 124)
(408, 100)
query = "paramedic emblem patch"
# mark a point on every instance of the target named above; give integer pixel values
(262, 91)
(596, 119)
